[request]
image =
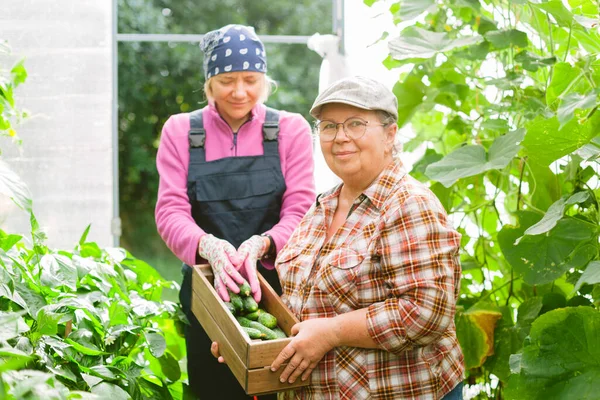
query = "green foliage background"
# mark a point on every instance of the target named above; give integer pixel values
(157, 80)
(503, 98)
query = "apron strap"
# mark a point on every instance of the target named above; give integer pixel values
(270, 133)
(197, 137)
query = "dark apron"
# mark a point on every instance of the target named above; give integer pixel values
(232, 198)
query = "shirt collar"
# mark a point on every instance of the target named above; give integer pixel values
(378, 191)
(257, 112)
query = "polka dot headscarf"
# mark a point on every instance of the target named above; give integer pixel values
(232, 48)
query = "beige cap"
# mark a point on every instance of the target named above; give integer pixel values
(358, 91)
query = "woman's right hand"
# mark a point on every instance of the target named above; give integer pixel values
(224, 261)
(214, 349)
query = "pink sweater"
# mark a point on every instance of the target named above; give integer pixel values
(173, 209)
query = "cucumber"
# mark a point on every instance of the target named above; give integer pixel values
(249, 304)
(280, 334)
(245, 322)
(254, 315)
(254, 333)
(230, 307)
(245, 289)
(237, 302)
(267, 320)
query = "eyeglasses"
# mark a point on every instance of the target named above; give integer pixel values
(354, 128)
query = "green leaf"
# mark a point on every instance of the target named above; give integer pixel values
(88, 349)
(409, 93)
(109, 391)
(91, 380)
(497, 125)
(415, 42)
(591, 275)
(7, 241)
(63, 371)
(118, 313)
(170, 366)
(590, 151)
(370, 2)
(58, 270)
(106, 372)
(503, 39)
(575, 101)
(544, 143)
(48, 321)
(529, 310)
(563, 75)
(156, 343)
(13, 187)
(532, 62)
(473, 160)
(557, 10)
(405, 10)
(32, 299)
(554, 213)
(12, 325)
(543, 258)
(19, 74)
(90, 249)
(83, 237)
(561, 358)
(476, 52)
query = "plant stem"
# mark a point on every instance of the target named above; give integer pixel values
(523, 161)
(568, 42)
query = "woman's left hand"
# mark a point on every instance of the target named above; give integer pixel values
(250, 252)
(312, 339)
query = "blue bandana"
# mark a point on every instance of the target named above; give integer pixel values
(232, 48)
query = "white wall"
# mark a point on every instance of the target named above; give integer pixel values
(66, 157)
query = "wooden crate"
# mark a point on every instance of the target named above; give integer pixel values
(248, 359)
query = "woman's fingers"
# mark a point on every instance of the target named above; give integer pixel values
(287, 352)
(304, 365)
(308, 371)
(214, 349)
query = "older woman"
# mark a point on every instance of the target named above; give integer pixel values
(372, 271)
(236, 177)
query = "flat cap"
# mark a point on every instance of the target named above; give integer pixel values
(358, 91)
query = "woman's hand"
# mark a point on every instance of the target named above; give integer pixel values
(312, 339)
(214, 349)
(249, 253)
(223, 259)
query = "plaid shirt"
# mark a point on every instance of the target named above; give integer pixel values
(397, 255)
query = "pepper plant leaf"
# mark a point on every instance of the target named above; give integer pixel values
(13, 187)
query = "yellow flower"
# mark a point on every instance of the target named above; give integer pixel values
(12, 133)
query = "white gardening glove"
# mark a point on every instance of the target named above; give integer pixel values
(223, 259)
(249, 253)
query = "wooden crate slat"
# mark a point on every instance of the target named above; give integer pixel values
(263, 381)
(273, 304)
(226, 349)
(263, 353)
(216, 309)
